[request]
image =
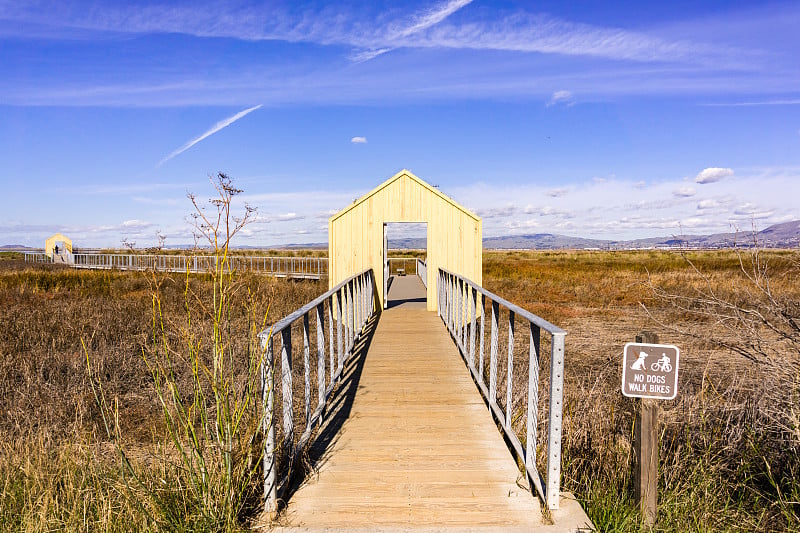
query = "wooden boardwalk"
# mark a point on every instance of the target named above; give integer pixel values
(410, 443)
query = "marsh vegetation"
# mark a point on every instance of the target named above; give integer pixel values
(729, 441)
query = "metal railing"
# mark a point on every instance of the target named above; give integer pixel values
(422, 271)
(402, 265)
(350, 305)
(37, 257)
(293, 267)
(462, 306)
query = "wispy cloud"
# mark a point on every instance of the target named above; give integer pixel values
(420, 22)
(514, 31)
(214, 129)
(546, 54)
(359, 140)
(795, 101)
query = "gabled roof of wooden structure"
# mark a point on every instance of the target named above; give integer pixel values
(407, 173)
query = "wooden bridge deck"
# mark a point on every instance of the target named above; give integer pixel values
(411, 443)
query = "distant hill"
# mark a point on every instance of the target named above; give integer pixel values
(785, 235)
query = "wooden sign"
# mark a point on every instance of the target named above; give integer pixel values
(650, 371)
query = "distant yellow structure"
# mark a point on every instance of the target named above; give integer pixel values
(64, 245)
(357, 235)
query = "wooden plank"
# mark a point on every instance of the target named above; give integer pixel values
(418, 446)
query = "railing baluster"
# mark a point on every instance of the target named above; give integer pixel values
(307, 367)
(352, 315)
(286, 380)
(493, 353)
(473, 294)
(533, 402)
(349, 317)
(510, 368)
(483, 334)
(320, 354)
(331, 336)
(339, 325)
(464, 316)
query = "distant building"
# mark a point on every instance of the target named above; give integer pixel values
(59, 248)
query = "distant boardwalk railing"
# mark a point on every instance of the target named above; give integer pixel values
(340, 315)
(289, 267)
(422, 271)
(463, 308)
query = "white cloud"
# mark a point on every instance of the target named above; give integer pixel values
(136, 224)
(359, 140)
(713, 174)
(707, 204)
(684, 192)
(560, 97)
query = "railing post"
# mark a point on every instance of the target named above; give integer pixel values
(321, 354)
(483, 334)
(493, 353)
(268, 401)
(348, 301)
(332, 354)
(339, 317)
(307, 367)
(473, 295)
(510, 368)
(463, 310)
(446, 294)
(460, 317)
(533, 402)
(351, 315)
(554, 440)
(286, 381)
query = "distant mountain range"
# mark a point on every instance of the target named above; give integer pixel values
(785, 235)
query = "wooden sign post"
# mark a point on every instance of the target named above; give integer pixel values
(649, 373)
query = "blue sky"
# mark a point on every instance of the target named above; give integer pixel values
(595, 119)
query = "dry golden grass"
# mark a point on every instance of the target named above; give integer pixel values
(52, 473)
(729, 442)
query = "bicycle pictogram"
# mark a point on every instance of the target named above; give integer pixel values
(662, 365)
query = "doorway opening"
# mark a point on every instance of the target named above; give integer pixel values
(405, 254)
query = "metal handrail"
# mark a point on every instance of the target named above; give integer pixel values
(351, 304)
(459, 308)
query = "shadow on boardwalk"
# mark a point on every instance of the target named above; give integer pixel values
(337, 411)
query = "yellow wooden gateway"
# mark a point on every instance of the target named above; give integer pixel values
(357, 234)
(64, 245)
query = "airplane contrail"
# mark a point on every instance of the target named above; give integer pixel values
(214, 129)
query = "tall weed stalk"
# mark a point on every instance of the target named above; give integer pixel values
(206, 380)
